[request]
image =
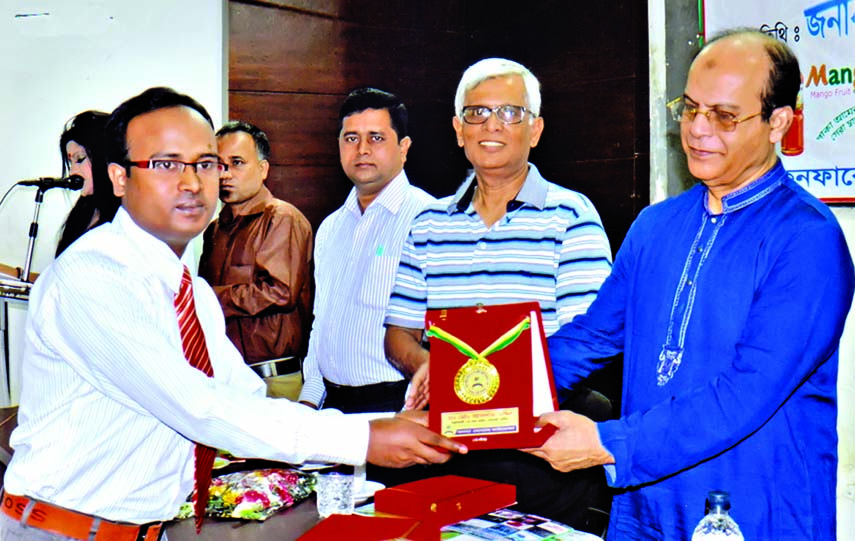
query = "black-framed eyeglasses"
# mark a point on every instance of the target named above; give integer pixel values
(508, 114)
(206, 167)
(720, 120)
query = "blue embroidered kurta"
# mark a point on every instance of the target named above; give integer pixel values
(730, 326)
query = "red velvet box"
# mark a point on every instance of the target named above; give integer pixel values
(440, 501)
(363, 528)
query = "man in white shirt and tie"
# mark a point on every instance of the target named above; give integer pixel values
(111, 410)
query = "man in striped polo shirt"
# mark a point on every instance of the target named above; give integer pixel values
(506, 236)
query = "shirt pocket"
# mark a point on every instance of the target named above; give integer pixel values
(378, 282)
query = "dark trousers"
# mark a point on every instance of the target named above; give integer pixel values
(385, 396)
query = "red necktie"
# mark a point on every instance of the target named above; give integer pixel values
(196, 352)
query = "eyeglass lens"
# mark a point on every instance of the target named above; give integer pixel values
(508, 114)
(721, 120)
(202, 167)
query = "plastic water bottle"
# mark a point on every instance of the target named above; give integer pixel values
(717, 525)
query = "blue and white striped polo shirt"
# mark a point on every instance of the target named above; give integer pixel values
(549, 247)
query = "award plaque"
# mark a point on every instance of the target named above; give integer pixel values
(490, 376)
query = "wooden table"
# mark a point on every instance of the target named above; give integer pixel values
(287, 525)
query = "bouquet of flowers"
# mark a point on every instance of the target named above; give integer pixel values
(253, 495)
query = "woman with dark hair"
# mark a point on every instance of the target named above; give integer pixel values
(82, 148)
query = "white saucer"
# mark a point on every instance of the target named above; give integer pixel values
(367, 491)
(313, 466)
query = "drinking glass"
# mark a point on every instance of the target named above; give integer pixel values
(335, 493)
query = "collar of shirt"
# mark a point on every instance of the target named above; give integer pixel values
(753, 192)
(253, 205)
(391, 197)
(533, 192)
(156, 254)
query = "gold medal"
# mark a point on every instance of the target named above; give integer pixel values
(476, 382)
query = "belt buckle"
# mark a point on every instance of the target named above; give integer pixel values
(144, 531)
(276, 367)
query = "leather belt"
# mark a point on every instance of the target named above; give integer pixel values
(277, 367)
(367, 393)
(61, 521)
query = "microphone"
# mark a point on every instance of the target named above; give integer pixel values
(71, 182)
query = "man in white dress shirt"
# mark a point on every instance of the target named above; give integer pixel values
(110, 408)
(356, 259)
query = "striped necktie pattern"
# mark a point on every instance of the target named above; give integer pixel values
(196, 353)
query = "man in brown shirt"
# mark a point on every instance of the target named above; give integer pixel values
(258, 258)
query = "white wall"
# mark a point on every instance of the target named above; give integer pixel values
(61, 57)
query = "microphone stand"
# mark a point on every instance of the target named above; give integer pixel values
(22, 287)
(18, 289)
(34, 231)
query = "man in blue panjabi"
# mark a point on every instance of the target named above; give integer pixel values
(728, 303)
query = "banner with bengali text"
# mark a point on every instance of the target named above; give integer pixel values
(819, 150)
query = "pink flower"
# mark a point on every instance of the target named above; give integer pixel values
(256, 496)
